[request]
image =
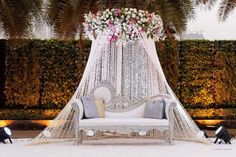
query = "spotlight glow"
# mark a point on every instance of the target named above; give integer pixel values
(218, 130)
(7, 130)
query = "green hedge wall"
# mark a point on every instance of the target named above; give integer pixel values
(208, 73)
(2, 71)
(168, 54)
(207, 79)
(22, 74)
(196, 73)
(40, 76)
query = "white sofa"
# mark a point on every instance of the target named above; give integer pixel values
(129, 121)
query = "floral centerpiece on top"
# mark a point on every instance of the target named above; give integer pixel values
(127, 24)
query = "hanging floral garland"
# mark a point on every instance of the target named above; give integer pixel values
(127, 24)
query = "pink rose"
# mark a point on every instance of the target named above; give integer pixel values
(113, 38)
(117, 12)
(132, 22)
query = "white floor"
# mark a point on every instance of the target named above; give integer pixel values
(118, 148)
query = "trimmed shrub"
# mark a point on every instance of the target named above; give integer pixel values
(37, 75)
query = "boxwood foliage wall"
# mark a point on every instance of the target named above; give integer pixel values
(168, 54)
(207, 79)
(2, 71)
(22, 74)
(38, 77)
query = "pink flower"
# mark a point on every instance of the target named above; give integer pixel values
(137, 17)
(149, 17)
(155, 31)
(114, 38)
(112, 26)
(132, 22)
(117, 12)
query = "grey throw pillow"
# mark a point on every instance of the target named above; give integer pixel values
(155, 109)
(90, 108)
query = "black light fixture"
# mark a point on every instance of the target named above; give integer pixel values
(223, 134)
(205, 134)
(5, 133)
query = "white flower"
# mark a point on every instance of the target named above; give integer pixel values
(121, 27)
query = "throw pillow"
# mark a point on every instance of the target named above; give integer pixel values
(90, 108)
(100, 107)
(155, 109)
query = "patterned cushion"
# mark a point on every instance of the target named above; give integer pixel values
(155, 109)
(90, 108)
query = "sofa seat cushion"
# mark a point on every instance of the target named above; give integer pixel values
(142, 122)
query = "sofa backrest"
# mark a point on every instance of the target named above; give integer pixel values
(106, 93)
(134, 113)
(108, 96)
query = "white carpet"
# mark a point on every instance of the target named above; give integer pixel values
(118, 148)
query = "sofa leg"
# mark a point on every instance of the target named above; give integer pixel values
(170, 138)
(80, 138)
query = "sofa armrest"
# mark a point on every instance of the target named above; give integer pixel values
(170, 105)
(169, 109)
(79, 109)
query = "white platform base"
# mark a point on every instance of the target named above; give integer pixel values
(118, 148)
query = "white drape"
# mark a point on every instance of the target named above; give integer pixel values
(135, 72)
(188, 125)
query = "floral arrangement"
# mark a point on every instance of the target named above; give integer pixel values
(127, 24)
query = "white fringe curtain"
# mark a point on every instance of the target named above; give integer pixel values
(134, 71)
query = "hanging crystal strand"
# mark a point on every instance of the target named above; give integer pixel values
(126, 76)
(147, 75)
(115, 67)
(108, 62)
(124, 73)
(135, 83)
(119, 69)
(99, 67)
(148, 78)
(129, 76)
(140, 66)
(151, 78)
(137, 63)
(139, 72)
(103, 63)
(144, 72)
(156, 81)
(111, 64)
(131, 72)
